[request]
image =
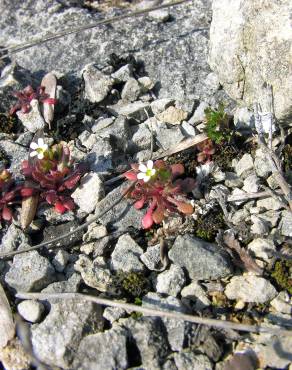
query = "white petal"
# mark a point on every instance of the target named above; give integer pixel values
(45, 147)
(150, 165)
(140, 176)
(33, 145)
(33, 154)
(153, 171)
(40, 142)
(146, 178)
(142, 167)
(41, 155)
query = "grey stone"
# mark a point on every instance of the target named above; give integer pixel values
(123, 215)
(151, 258)
(54, 218)
(259, 226)
(160, 15)
(102, 123)
(271, 217)
(178, 70)
(56, 340)
(51, 232)
(190, 360)
(242, 215)
(199, 114)
(136, 110)
(262, 248)
(244, 165)
(282, 303)
(274, 350)
(131, 90)
(30, 310)
(188, 130)
(141, 138)
(103, 351)
(94, 275)
(147, 333)
(168, 137)
(30, 272)
(238, 192)
(113, 313)
(123, 74)
(194, 293)
(232, 180)
(67, 286)
(261, 165)
(172, 115)
(60, 260)
(15, 153)
(160, 105)
(250, 288)
(251, 54)
(89, 192)
(146, 83)
(171, 281)
(126, 255)
(119, 131)
(269, 204)
(87, 139)
(97, 84)
(14, 239)
(100, 156)
(286, 223)
(251, 184)
(25, 138)
(32, 120)
(202, 260)
(176, 329)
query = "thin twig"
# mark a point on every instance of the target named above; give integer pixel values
(249, 196)
(155, 312)
(72, 30)
(69, 234)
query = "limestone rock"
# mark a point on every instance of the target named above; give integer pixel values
(250, 288)
(257, 39)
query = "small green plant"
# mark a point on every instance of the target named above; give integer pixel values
(218, 125)
(282, 275)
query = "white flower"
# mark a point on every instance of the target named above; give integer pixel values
(38, 148)
(146, 171)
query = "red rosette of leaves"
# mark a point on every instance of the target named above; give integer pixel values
(55, 177)
(164, 193)
(206, 150)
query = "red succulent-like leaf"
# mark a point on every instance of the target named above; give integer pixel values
(158, 214)
(60, 208)
(147, 220)
(51, 197)
(6, 214)
(49, 101)
(7, 197)
(68, 203)
(140, 203)
(130, 175)
(72, 181)
(27, 192)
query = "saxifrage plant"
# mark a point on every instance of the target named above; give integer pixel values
(10, 194)
(25, 97)
(53, 174)
(157, 185)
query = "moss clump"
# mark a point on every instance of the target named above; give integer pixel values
(218, 125)
(224, 155)
(206, 227)
(7, 124)
(132, 284)
(282, 275)
(287, 157)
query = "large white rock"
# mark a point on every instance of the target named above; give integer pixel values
(250, 45)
